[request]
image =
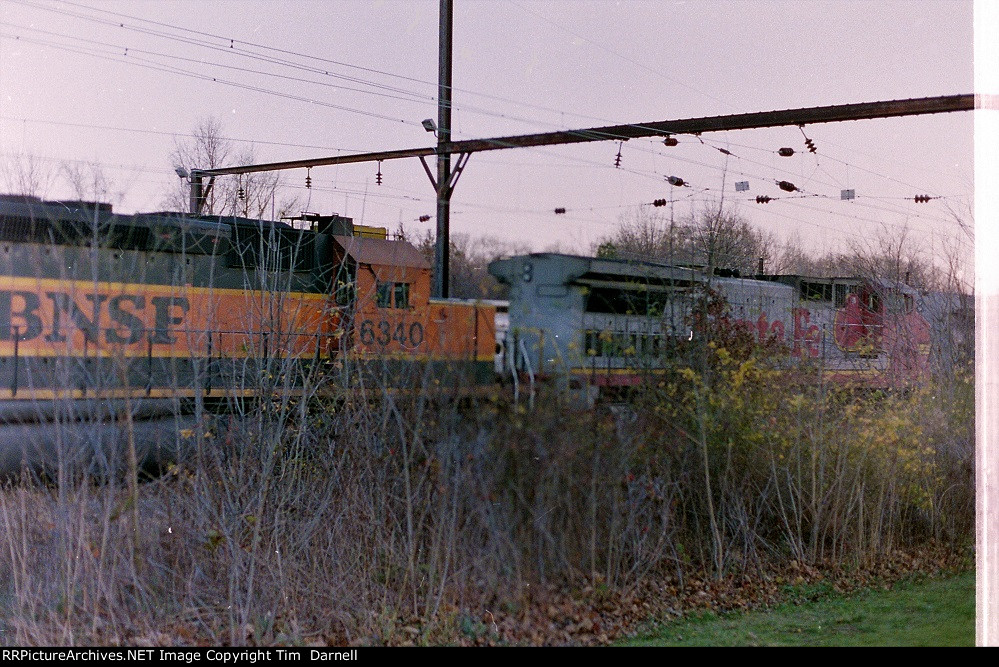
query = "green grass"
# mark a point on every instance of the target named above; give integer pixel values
(937, 612)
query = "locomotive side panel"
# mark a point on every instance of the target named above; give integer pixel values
(399, 335)
(61, 336)
(607, 322)
(860, 331)
(762, 310)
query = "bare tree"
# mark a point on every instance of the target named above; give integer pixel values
(714, 236)
(892, 257)
(26, 174)
(89, 182)
(469, 266)
(722, 238)
(959, 249)
(247, 195)
(643, 234)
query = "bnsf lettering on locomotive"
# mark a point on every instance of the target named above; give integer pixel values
(125, 319)
(164, 317)
(61, 303)
(26, 315)
(22, 314)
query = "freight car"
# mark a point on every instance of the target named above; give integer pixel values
(119, 328)
(595, 325)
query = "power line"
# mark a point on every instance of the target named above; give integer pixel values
(132, 60)
(218, 37)
(231, 49)
(778, 169)
(165, 133)
(232, 42)
(633, 126)
(201, 61)
(581, 162)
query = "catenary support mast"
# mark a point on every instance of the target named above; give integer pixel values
(444, 186)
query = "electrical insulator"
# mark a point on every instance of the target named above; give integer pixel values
(762, 199)
(675, 180)
(241, 194)
(660, 202)
(786, 152)
(808, 142)
(308, 179)
(560, 211)
(922, 199)
(424, 218)
(670, 141)
(724, 151)
(786, 186)
(617, 159)
(378, 176)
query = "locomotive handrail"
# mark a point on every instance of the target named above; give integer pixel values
(513, 372)
(530, 371)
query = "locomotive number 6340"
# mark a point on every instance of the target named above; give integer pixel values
(384, 332)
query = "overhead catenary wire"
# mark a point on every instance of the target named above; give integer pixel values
(401, 94)
(139, 62)
(701, 140)
(233, 41)
(168, 133)
(636, 171)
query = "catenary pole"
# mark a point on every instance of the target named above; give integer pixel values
(441, 286)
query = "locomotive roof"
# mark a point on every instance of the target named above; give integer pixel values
(798, 276)
(382, 252)
(26, 205)
(567, 268)
(31, 207)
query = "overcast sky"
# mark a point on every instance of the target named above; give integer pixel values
(89, 81)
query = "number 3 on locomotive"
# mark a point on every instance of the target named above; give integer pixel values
(407, 337)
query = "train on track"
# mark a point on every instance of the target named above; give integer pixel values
(122, 331)
(117, 330)
(599, 324)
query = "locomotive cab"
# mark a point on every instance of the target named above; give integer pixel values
(384, 288)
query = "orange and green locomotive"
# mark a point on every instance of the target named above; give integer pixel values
(127, 327)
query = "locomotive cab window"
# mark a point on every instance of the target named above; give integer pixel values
(873, 302)
(841, 293)
(384, 295)
(402, 295)
(816, 291)
(389, 295)
(898, 303)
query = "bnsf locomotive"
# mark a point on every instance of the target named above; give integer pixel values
(118, 330)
